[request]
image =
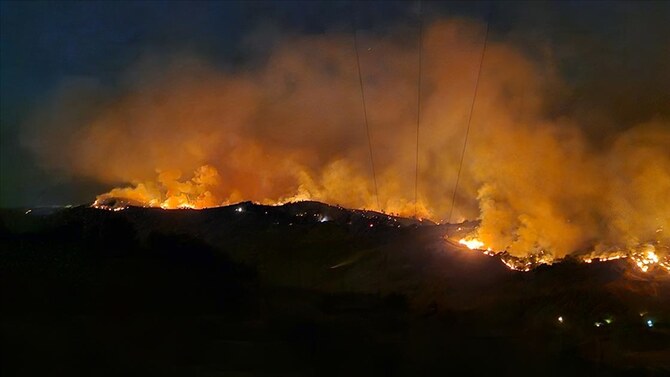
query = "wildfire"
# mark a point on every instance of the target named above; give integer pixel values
(647, 258)
(644, 258)
(472, 244)
(205, 189)
(604, 258)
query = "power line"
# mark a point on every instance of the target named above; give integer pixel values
(365, 111)
(418, 113)
(467, 131)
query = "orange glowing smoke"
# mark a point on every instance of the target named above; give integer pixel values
(184, 134)
(169, 192)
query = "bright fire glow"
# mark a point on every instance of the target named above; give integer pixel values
(644, 258)
(472, 244)
(648, 258)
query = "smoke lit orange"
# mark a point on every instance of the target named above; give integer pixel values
(292, 129)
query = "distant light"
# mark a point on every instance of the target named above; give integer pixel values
(28, 211)
(371, 225)
(560, 319)
(324, 219)
(608, 320)
(650, 323)
(598, 324)
(239, 209)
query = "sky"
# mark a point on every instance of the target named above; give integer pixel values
(612, 58)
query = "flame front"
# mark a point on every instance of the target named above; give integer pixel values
(644, 258)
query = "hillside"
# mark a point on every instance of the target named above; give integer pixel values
(307, 289)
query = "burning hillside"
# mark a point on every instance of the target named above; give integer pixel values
(252, 276)
(335, 188)
(648, 257)
(191, 136)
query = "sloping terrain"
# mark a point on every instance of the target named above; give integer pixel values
(307, 289)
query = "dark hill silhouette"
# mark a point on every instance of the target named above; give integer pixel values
(306, 289)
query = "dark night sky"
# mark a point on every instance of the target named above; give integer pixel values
(43, 43)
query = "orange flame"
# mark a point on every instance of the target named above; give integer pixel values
(644, 259)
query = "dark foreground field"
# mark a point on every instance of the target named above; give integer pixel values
(306, 290)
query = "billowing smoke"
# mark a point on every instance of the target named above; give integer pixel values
(180, 132)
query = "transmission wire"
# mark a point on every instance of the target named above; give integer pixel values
(418, 113)
(365, 111)
(467, 132)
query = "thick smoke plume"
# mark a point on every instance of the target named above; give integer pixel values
(182, 133)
